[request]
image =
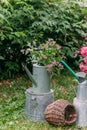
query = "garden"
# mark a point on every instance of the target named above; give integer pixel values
(48, 33)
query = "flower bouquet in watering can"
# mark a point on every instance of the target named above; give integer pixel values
(46, 59)
(48, 54)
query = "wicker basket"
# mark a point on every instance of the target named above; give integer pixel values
(60, 113)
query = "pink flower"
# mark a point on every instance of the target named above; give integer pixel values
(85, 60)
(83, 67)
(60, 65)
(49, 67)
(58, 47)
(46, 46)
(44, 56)
(84, 51)
(54, 62)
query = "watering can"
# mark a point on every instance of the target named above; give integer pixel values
(80, 101)
(40, 78)
(82, 83)
(39, 96)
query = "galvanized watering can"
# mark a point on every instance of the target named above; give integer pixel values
(80, 101)
(39, 96)
(40, 79)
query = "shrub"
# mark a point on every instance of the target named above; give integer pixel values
(14, 20)
(28, 21)
(64, 23)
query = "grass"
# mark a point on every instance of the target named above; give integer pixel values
(12, 103)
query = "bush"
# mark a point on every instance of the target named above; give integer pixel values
(22, 23)
(65, 24)
(14, 24)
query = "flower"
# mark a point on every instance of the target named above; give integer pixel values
(83, 64)
(85, 60)
(84, 51)
(83, 67)
(48, 54)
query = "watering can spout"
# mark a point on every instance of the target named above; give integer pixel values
(71, 71)
(29, 74)
(79, 76)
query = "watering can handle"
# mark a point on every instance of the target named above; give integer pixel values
(72, 72)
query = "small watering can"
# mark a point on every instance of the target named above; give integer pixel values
(40, 78)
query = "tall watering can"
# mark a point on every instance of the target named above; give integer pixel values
(80, 101)
(40, 78)
(39, 96)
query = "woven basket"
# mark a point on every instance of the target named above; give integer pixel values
(60, 113)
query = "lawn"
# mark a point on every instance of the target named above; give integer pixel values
(12, 102)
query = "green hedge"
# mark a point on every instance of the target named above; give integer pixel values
(24, 22)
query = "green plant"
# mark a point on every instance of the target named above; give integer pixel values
(14, 19)
(66, 24)
(48, 54)
(23, 22)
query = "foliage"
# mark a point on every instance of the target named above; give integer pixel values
(65, 24)
(28, 21)
(13, 37)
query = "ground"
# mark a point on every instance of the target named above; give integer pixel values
(12, 102)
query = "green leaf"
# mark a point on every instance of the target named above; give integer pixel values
(1, 58)
(2, 17)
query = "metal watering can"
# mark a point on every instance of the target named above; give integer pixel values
(40, 78)
(80, 101)
(39, 96)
